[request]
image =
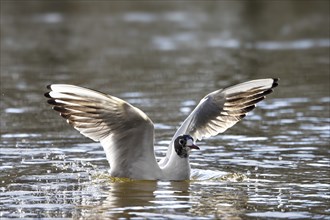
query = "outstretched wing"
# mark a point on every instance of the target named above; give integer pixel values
(222, 109)
(125, 132)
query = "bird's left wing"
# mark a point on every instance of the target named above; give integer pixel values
(222, 109)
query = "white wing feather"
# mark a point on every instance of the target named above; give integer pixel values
(125, 132)
(222, 109)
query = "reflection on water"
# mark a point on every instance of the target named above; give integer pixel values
(163, 58)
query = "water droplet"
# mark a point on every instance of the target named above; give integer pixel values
(46, 156)
(280, 158)
(248, 172)
(49, 171)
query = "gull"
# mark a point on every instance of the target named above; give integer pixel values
(127, 133)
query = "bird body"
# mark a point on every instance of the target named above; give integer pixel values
(127, 133)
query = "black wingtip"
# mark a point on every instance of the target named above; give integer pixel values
(52, 102)
(57, 108)
(49, 86)
(242, 116)
(275, 83)
(64, 115)
(249, 108)
(267, 92)
(60, 109)
(47, 95)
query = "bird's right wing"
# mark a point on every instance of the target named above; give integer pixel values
(125, 132)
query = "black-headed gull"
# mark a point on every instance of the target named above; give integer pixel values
(127, 134)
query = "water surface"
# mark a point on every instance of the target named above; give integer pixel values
(163, 58)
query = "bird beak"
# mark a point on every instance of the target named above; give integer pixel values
(193, 146)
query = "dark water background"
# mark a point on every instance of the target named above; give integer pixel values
(163, 57)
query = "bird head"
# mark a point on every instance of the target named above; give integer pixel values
(183, 145)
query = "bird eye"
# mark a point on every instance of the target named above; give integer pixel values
(181, 142)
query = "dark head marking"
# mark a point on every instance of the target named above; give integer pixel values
(183, 144)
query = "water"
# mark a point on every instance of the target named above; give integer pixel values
(163, 58)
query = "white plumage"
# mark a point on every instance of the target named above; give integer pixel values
(127, 134)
